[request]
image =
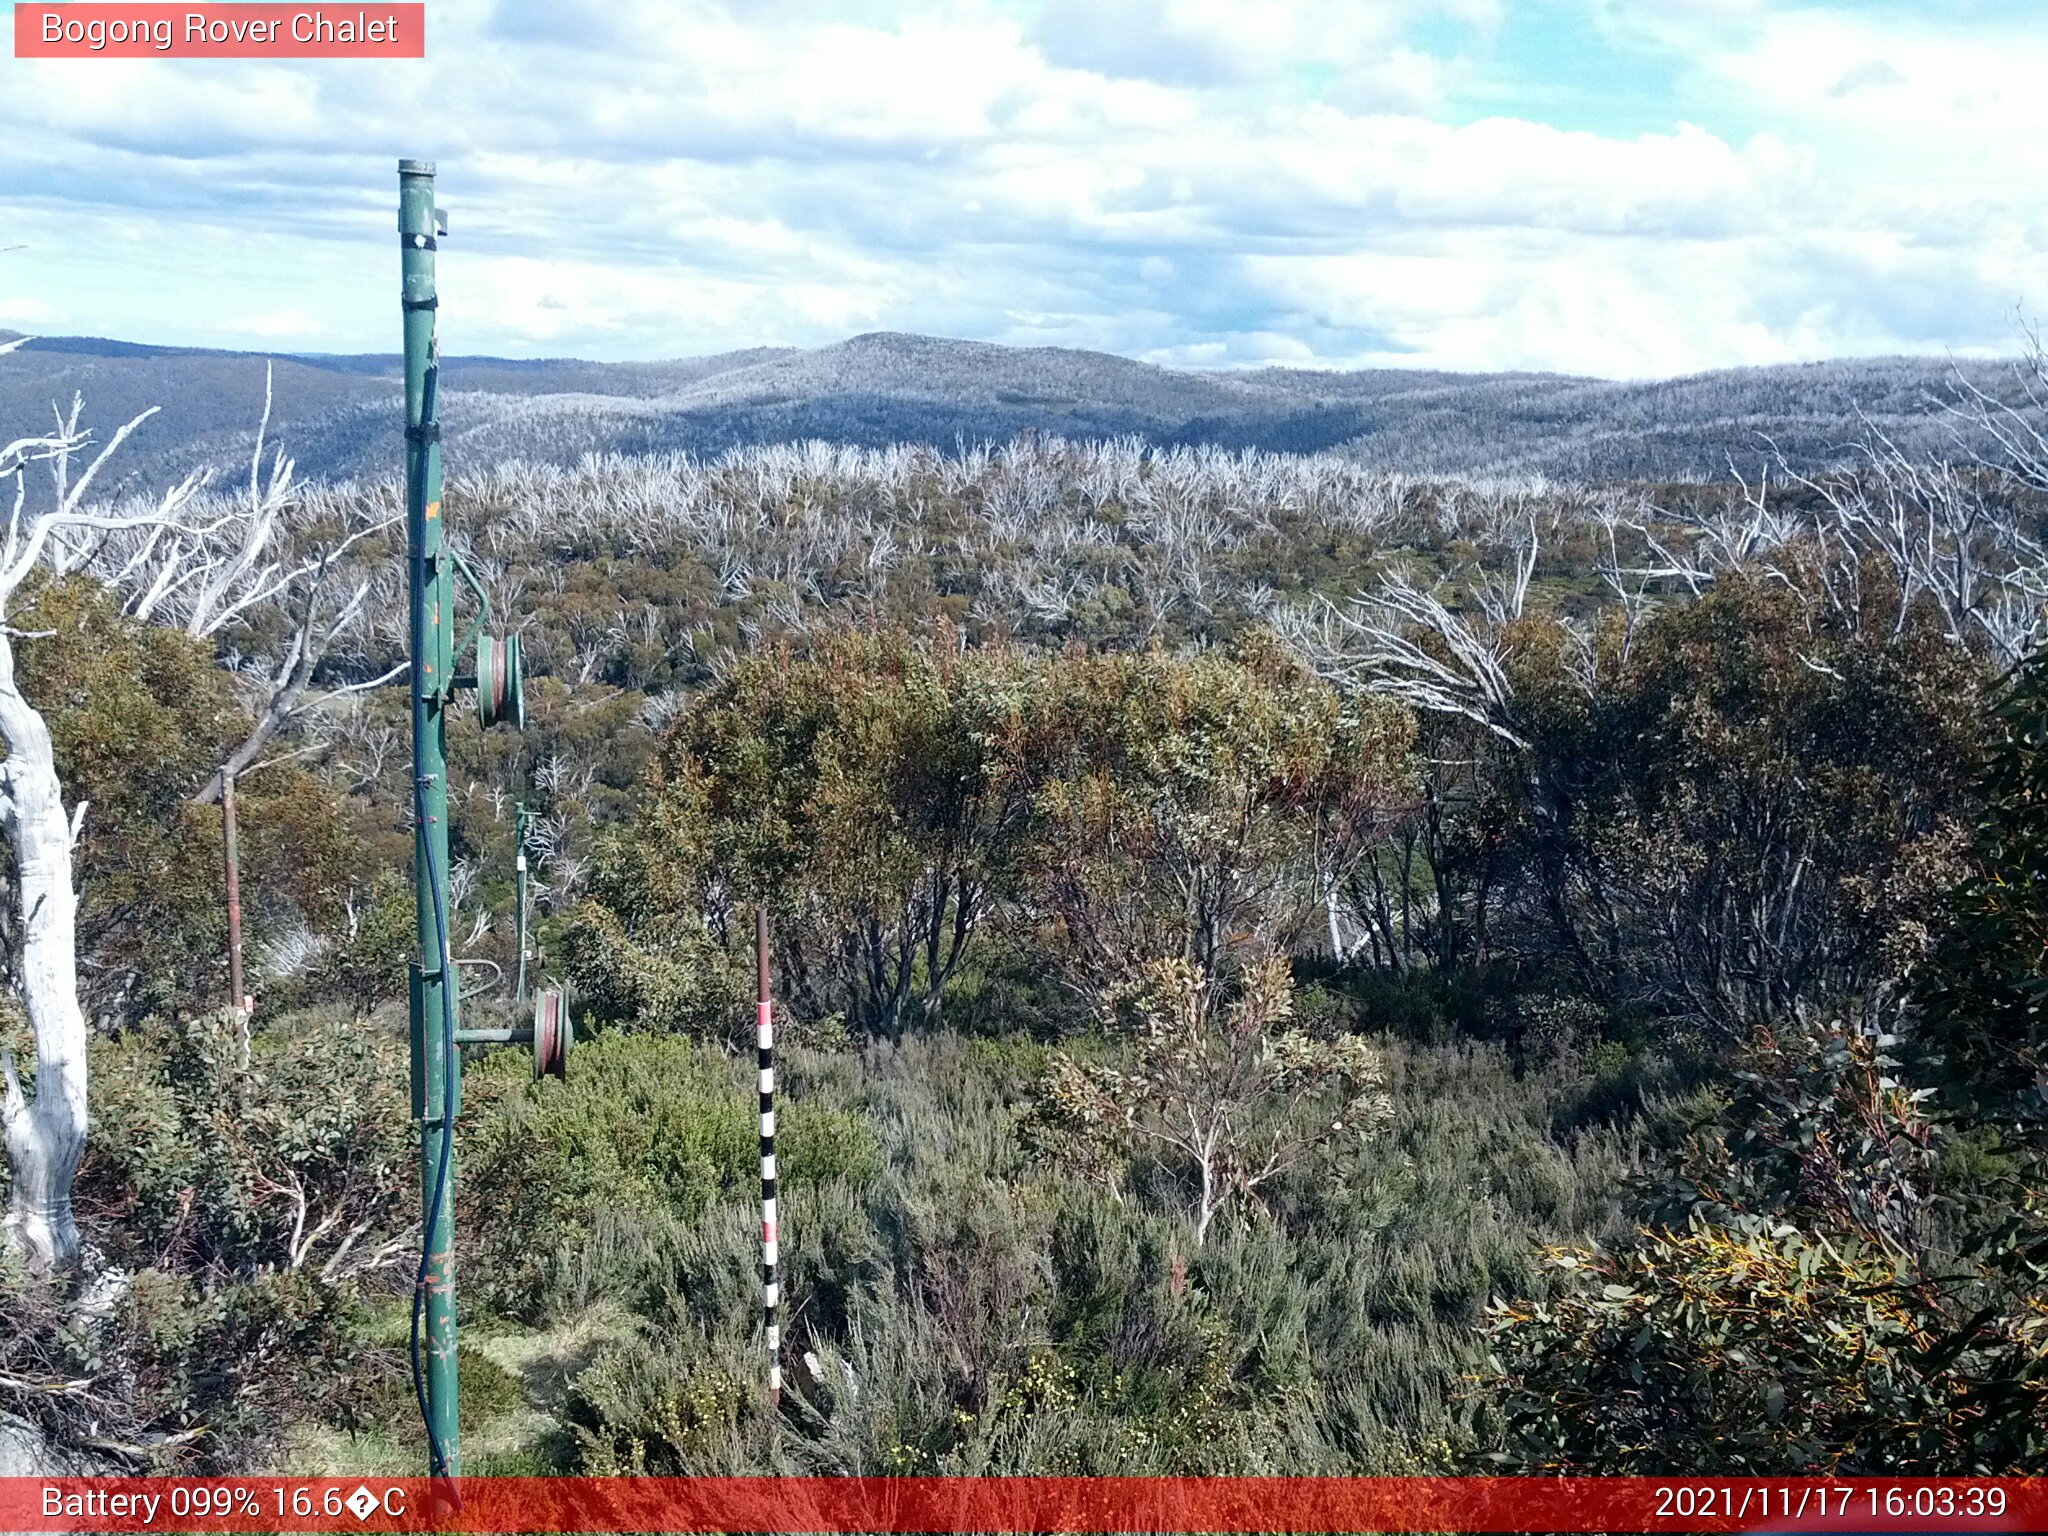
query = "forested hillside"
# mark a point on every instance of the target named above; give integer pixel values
(885, 389)
(1288, 966)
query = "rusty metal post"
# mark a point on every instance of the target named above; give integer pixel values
(234, 882)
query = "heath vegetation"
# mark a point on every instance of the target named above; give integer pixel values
(1287, 967)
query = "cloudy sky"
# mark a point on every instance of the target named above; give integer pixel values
(1621, 187)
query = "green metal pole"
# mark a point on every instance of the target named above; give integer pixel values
(437, 1061)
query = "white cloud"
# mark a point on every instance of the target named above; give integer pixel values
(1632, 309)
(1192, 180)
(22, 314)
(1967, 101)
(1228, 42)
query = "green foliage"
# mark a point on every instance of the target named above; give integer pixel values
(250, 1189)
(1844, 1274)
(228, 1155)
(139, 719)
(645, 1131)
(862, 790)
(489, 1391)
(894, 799)
(1824, 1123)
(1741, 805)
(1801, 1310)
(1736, 811)
(969, 1308)
(1196, 809)
(1761, 1351)
(580, 1189)
(817, 1143)
(191, 1377)
(1985, 995)
(1224, 1088)
(367, 964)
(634, 1414)
(639, 963)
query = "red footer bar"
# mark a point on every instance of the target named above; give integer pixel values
(1002, 1504)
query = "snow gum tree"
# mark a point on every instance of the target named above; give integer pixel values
(46, 1123)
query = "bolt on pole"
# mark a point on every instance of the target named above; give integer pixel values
(436, 1059)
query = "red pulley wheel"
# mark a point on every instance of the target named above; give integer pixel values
(552, 1033)
(500, 681)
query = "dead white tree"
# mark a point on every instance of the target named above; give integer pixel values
(275, 554)
(1952, 535)
(1404, 642)
(45, 1134)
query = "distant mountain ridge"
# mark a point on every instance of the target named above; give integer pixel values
(338, 415)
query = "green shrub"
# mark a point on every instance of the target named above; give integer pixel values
(367, 966)
(967, 1309)
(1755, 1350)
(251, 1185)
(816, 1143)
(181, 1375)
(290, 1149)
(582, 1188)
(489, 1391)
(654, 972)
(635, 1412)
(645, 1127)
(1797, 1302)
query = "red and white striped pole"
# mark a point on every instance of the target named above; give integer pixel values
(764, 1022)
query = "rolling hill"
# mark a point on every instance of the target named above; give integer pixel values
(339, 414)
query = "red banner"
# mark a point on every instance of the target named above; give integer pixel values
(1002, 1504)
(232, 31)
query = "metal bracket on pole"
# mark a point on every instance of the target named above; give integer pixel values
(483, 600)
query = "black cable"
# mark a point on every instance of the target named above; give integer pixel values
(437, 1457)
(437, 1453)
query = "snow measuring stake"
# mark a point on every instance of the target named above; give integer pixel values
(433, 569)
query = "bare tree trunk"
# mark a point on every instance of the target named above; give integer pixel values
(46, 1135)
(285, 695)
(267, 725)
(1213, 1193)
